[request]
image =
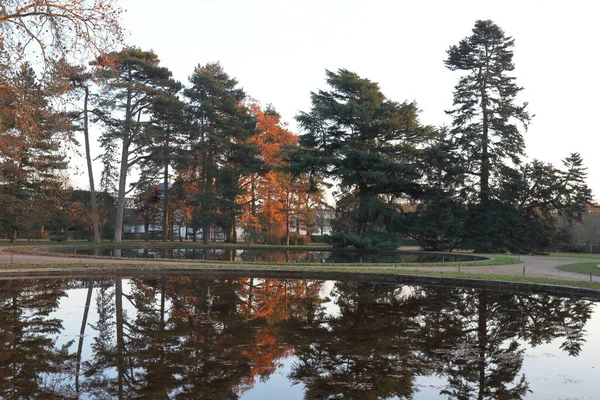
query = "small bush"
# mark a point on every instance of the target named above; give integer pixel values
(58, 237)
(299, 240)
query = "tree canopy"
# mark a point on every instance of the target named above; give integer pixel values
(367, 143)
(214, 161)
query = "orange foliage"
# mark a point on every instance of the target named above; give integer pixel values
(273, 197)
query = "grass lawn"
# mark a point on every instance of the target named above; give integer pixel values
(321, 268)
(582, 268)
(576, 255)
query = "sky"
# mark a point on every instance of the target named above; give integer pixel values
(279, 50)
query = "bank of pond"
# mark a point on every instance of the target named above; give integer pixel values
(265, 255)
(211, 335)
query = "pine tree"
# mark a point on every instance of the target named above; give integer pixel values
(76, 82)
(538, 196)
(131, 79)
(222, 127)
(165, 147)
(30, 154)
(485, 114)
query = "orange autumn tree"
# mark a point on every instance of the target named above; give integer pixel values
(273, 197)
(184, 190)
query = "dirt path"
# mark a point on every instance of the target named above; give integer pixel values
(535, 266)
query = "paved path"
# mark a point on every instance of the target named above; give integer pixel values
(535, 266)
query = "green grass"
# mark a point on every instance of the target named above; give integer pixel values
(576, 255)
(582, 268)
(306, 268)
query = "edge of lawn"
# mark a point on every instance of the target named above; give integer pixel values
(41, 250)
(453, 278)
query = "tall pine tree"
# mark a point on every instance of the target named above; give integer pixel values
(30, 154)
(486, 127)
(131, 79)
(485, 115)
(222, 127)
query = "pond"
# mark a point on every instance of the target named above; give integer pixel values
(229, 337)
(268, 255)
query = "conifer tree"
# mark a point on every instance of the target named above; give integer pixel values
(30, 154)
(131, 79)
(222, 127)
(370, 145)
(164, 140)
(76, 81)
(486, 115)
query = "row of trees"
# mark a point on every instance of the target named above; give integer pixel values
(210, 158)
(33, 129)
(466, 185)
(223, 154)
(214, 156)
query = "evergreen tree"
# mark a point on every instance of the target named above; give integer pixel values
(30, 154)
(222, 127)
(76, 82)
(486, 128)
(131, 79)
(370, 145)
(438, 220)
(485, 114)
(165, 147)
(537, 197)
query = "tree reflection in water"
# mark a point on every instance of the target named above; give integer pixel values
(189, 337)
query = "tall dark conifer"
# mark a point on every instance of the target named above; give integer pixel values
(370, 145)
(222, 126)
(30, 154)
(486, 115)
(164, 141)
(131, 79)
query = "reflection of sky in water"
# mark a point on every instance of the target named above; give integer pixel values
(553, 375)
(551, 372)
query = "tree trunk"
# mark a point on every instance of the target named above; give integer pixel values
(485, 157)
(206, 233)
(362, 223)
(88, 156)
(86, 310)
(287, 218)
(127, 137)
(120, 337)
(482, 343)
(165, 224)
(121, 195)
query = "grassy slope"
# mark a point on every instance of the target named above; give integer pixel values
(321, 268)
(576, 255)
(582, 268)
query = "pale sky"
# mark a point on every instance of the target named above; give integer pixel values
(278, 50)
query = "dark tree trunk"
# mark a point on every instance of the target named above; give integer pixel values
(88, 156)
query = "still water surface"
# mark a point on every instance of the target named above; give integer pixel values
(250, 338)
(268, 255)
